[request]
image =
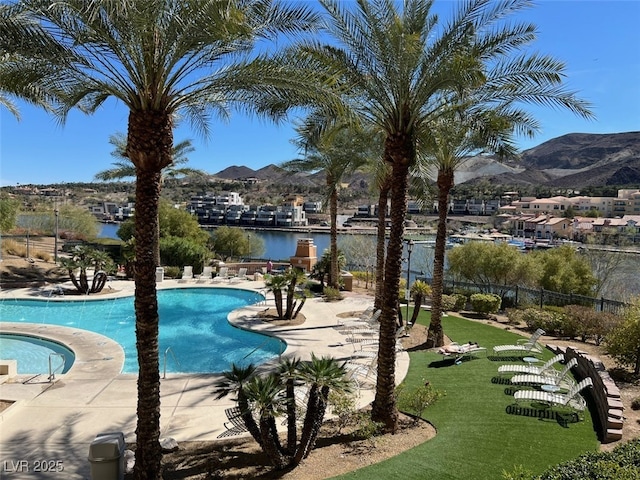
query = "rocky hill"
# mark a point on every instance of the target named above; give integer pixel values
(575, 160)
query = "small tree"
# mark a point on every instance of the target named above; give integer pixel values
(623, 342)
(82, 258)
(266, 397)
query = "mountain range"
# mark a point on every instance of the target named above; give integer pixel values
(575, 160)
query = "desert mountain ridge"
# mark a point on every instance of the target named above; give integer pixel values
(575, 160)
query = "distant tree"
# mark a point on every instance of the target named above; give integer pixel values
(8, 213)
(564, 271)
(174, 222)
(359, 251)
(623, 342)
(337, 149)
(604, 264)
(488, 263)
(124, 167)
(73, 222)
(230, 242)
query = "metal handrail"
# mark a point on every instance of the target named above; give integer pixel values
(164, 370)
(260, 346)
(52, 372)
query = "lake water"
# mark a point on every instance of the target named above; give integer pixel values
(281, 245)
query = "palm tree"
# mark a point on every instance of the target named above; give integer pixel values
(235, 381)
(400, 68)
(338, 150)
(21, 73)
(161, 59)
(321, 375)
(124, 168)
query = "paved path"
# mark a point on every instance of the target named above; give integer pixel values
(51, 425)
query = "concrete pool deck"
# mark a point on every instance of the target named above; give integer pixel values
(57, 421)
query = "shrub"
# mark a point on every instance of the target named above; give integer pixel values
(619, 464)
(11, 247)
(514, 316)
(42, 256)
(589, 323)
(332, 294)
(460, 302)
(448, 303)
(344, 407)
(548, 321)
(485, 303)
(635, 404)
(417, 400)
(172, 272)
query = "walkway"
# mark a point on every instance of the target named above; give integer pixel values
(56, 422)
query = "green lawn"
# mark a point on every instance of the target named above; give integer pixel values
(476, 438)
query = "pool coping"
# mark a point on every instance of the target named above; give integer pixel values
(95, 354)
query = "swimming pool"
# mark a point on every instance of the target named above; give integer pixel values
(194, 332)
(33, 353)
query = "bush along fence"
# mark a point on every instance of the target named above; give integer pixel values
(516, 296)
(608, 415)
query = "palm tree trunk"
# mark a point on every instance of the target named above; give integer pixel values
(333, 212)
(384, 408)
(148, 132)
(416, 309)
(148, 451)
(270, 444)
(435, 335)
(380, 245)
(308, 426)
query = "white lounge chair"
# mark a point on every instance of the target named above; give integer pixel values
(187, 274)
(240, 276)
(560, 379)
(205, 276)
(572, 400)
(530, 369)
(362, 374)
(528, 346)
(222, 275)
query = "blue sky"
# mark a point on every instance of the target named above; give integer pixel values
(598, 40)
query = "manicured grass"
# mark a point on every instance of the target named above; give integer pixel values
(476, 438)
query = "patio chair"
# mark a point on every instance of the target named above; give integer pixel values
(222, 275)
(362, 322)
(205, 276)
(528, 346)
(571, 401)
(555, 378)
(363, 317)
(187, 274)
(235, 425)
(530, 369)
(362, 374)
(240, 276)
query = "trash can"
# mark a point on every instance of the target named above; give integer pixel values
(159, 274)
(106, 456)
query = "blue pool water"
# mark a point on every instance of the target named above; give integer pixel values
(32, 354)
(193, 323)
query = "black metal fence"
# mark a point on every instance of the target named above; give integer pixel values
(518, 296)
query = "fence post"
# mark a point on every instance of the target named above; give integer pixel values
(541, 298)
(516, 305)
